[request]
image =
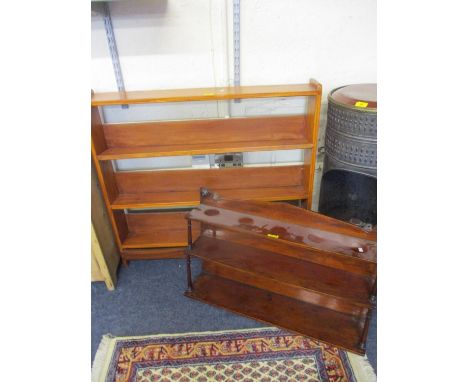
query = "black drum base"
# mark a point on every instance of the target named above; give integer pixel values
(349, 196)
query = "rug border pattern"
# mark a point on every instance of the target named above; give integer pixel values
(119, 342)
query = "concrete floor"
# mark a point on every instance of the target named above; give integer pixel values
(149, 300)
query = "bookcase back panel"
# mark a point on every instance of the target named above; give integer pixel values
(205, 131)
(217, 179)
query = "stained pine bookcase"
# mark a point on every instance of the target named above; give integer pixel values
(156, 235)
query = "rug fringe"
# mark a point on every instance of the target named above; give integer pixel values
(100, 357)
(362, 368)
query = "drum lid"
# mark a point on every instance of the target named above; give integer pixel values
(359, 96)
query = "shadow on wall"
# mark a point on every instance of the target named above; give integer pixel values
(130, 9)
(146, 27)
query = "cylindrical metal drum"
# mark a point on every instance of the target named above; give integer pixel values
(349, 182)
(351, 135)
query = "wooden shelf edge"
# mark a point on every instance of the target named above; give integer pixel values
(116, 205)
(194, 294)
(152, 152)
(153, 253)
(177, 238)
(352, 264)
(154, 244)
(250, 274)
(205, 94)
(259, 235)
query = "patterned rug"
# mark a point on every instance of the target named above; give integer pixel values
(264, 355)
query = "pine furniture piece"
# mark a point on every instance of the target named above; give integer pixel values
(162, 234)
(104, 252)
(287, 266)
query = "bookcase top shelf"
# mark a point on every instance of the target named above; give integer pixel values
(204, 94)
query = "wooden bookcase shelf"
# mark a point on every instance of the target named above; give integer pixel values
(310, 229)
(206, 94)
(152, 234)
(154, 230)
(286, 266)
(190, 198)
(301, 317)
(179, 188)
(155, 139)
(284, 274)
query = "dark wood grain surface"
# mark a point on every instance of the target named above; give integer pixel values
(284, 271)
(308, 319)
(285, 265)
(288, 224)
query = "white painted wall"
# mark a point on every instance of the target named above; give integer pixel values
(188, 43)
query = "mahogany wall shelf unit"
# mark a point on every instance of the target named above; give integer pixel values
(162, 234)
(287, 266)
